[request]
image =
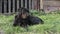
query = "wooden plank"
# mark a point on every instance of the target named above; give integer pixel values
(41, 4)
(37, 4)
(21, 3)
(30, 4)
(25, 3)
(18, 4)
(0, 6)
(33, 4)
(9, 3)
(13, 6)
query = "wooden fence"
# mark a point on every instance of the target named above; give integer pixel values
(11, 6)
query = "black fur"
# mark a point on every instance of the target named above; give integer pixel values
(30, 20)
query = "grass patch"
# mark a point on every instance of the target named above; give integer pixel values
(51, 25)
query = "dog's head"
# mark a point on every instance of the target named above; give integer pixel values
(23, 12)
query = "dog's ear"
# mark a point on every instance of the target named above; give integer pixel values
(19, 9)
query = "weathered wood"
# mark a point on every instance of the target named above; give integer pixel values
(30, 4)
(11, 6)
(21, 3)
(9, 2)
(18, 4)
(25, 3)
(41, 4)
(0, 6)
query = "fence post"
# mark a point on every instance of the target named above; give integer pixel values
(21, 3)
(41, 7)
(41, 4)
(0, 6)
(9, 3)
(31, 4)
(13, 6)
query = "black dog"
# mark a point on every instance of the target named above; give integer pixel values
(24, 18)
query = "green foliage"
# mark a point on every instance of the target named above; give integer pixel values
(51, 25)
(55, 12)
(35, 12)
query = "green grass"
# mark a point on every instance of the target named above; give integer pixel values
(51, 25)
